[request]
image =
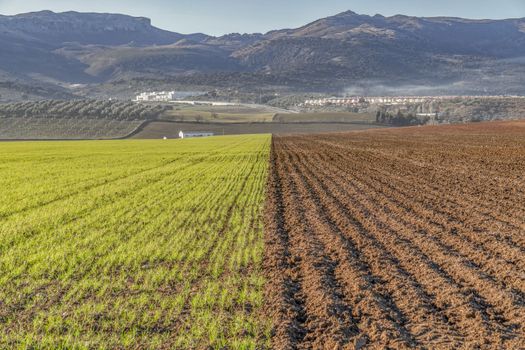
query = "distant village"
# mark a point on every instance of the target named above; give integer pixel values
(358, 101)
(391, 110)
(156, 96)
(173, 96)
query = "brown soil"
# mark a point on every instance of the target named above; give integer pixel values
(399, 238)
(157, 130)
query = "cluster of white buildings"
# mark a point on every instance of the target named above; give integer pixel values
(206, 103)
(385, 100)
(156, 96)
(351, 101)
(395, 100)
(172, 96)
(359, 101)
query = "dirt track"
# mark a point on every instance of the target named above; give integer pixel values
(407, 238)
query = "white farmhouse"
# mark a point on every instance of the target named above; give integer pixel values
(156, 96)
(184, 135)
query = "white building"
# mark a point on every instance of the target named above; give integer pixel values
(358, 101)
(183, 134)
(156, 96)
(206, 103)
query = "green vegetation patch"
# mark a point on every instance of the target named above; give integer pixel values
(133, 244)
(218, 114)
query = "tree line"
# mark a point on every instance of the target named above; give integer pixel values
(73, 109)
(399, 118)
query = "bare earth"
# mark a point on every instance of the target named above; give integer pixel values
(399, 238)
(157, 130)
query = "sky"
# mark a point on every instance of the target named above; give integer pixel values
(217, 17)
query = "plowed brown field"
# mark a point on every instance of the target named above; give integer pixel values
(406, 238)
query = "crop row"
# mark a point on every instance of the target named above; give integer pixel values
(403, 239)
(144, 243)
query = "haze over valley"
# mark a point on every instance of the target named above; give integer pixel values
(71, 55)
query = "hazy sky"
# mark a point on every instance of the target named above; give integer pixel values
(227, 16)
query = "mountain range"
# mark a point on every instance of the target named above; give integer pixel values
(346, 52)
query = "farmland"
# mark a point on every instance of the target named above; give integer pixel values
(388, 238)
(70, 129)
(132, 244)
(103, 120)
(220, 114)
(406, 238)
(326, 117)
(159, 129)
(76, 119)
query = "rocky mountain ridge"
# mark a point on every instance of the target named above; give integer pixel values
(345, 51)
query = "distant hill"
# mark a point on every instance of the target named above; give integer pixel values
(45, 44)
(352, 52)
(349, 48)
(55, 29)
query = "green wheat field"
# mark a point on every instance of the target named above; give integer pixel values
(133, 244)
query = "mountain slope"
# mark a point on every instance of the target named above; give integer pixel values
(342, 51)
(40, 43)
(385, 43)
(55, 29)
